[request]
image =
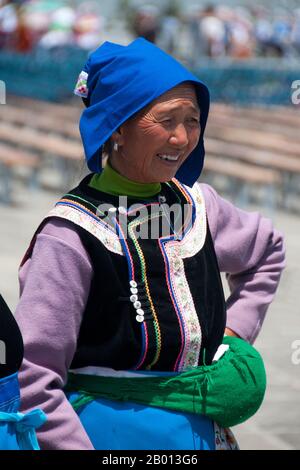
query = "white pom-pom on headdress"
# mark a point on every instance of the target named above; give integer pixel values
(81, 88)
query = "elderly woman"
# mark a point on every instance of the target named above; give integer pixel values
(122, 309)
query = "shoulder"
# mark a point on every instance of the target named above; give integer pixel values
(206, 193)
(214, 203)
(211, 201)
(56, 235)
(60, 228)
(228, 220)
(63, 231)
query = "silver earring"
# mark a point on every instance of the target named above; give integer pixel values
(116, 146)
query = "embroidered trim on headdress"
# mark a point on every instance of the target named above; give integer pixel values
(81, 88)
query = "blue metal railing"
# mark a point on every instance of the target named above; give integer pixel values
(257, 82)
(51, 76)
(43, 76)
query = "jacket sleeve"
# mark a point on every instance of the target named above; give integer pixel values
(251, 253)
(54, 284)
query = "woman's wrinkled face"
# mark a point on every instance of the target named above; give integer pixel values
(154, 144)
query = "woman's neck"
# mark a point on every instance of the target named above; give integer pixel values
(111, 182)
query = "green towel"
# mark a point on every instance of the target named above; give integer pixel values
(228, 391)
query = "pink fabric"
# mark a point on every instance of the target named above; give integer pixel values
(55, 282)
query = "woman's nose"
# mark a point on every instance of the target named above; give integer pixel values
(179, 136)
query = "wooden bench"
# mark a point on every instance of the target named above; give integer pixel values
(242, 178)
(46, 131)
(64, 111)
(10, 159)
(257, 139)
(287, 167)
(281, 162)
(40, 120)
(64, 152)
(272, 142)
(249, 146)
(246, 122)
(284, 116)
(46, 144)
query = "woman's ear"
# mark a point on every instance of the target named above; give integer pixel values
(117, 136)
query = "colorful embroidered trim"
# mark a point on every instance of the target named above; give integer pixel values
(131, 273)
(81, 88)
(131, 228)
(90, 222)
(224, 439)
(173, 253)
(189, 356)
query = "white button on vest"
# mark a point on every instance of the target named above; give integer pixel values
(133, 283)
(133, 290)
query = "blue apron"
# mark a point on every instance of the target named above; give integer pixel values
(17, 430)
(113, 425)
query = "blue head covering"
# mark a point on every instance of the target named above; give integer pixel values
(117, 81)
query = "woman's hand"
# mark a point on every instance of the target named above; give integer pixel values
(229, 332)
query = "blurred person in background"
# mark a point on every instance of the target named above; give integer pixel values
(226, 15)
(37, 22)
(273, 33)
(191, 22)
(282, 28)
(89, 25)
(60, 30)
(146, 22)
(295, 33)
(169, 30)
(8, 23)
(262, 30)
(241, 40)
(212, 33)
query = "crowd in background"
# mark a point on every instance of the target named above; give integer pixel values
(209, 31)
(30, 24)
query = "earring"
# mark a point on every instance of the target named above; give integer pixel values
(116, 146)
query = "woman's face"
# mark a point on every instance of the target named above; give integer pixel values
(154, 144)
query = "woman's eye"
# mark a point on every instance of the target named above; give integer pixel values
(194, 120)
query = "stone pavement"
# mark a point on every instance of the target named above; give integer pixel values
(277, 423)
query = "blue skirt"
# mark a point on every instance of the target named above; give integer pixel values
(17, 430)
(114, 425)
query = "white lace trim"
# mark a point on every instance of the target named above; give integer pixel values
(97, 228)
(176, 252)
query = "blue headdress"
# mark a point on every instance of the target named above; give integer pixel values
(117, 81)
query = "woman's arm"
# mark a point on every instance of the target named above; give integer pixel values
(54, 284)
(251, 253)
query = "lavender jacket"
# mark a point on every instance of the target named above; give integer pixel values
(54, 286)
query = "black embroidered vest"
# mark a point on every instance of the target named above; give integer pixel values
(156, 300)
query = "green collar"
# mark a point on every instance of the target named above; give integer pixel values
(111, 182)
